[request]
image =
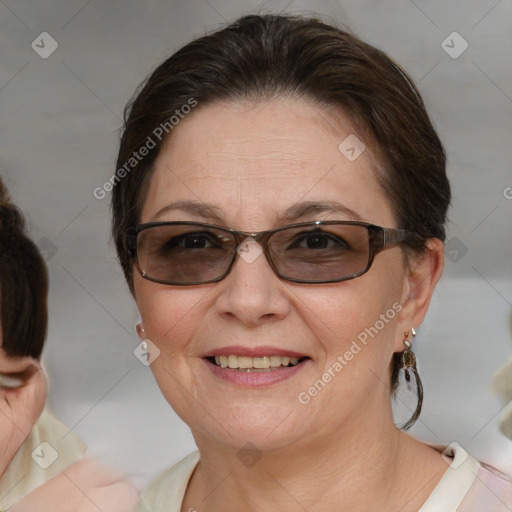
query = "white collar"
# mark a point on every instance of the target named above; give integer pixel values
(455, 483)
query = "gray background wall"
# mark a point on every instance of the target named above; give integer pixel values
(59, 121)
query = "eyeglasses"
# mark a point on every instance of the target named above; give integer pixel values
(191, 253)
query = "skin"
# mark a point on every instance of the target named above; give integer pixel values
(19, 407)
(252, 161)
(85, 486)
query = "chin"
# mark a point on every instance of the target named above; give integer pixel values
(265, 427)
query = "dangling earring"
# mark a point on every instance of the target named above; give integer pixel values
(408, 357)
(409, 363)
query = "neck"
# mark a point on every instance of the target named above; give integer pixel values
(347, 470)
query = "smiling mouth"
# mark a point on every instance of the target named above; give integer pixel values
(255, 364)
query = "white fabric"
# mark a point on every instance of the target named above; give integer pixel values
(167, 491)
(23, 474)
(165, 494)
(502, 385)
(455, 483)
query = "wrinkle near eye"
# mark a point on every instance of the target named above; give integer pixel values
(16, 366)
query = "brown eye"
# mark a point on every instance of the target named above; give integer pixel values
(195, 241)
(319, 240)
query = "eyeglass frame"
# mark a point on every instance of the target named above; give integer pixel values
(379, 238)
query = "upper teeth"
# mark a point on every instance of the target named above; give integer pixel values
(233, 361)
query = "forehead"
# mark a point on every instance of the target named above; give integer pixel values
(254, 160)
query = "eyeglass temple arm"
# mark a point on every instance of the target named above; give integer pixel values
(130, 241)
(392, 236)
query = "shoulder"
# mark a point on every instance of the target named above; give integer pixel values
(491, 490)
(166, 492)
(469, 485)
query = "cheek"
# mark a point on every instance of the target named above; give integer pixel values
(169, 314)
(354, 320)
(22, 407)
(354, 334)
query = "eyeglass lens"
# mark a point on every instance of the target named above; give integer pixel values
(194, 253)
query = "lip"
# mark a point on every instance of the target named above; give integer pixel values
(237, 350)
(255, 379)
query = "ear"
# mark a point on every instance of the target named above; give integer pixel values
(419, 283)
(140, 331)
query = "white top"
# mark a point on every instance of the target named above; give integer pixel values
(63, 447)
(466, 486)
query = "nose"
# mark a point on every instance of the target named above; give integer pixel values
(252, 292)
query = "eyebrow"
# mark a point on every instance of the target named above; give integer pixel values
(199, 209)
(294, 213)
(299, 210)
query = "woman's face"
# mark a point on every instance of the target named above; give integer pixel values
(20, 406)
(250, 163)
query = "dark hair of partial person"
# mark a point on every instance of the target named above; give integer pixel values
(23, 285)
(262, 57)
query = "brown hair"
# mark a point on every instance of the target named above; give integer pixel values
(23, 285)
(270, 56)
